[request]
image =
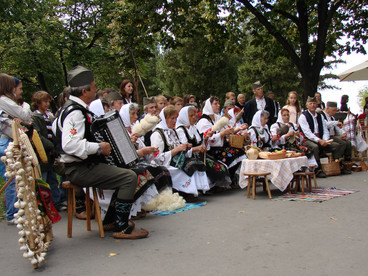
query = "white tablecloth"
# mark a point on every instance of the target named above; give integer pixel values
(281, 170)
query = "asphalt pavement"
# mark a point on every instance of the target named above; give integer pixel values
(231, 235)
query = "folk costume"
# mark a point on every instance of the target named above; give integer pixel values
(216, 171)
(314, 128)
(260, 136)
(81, 156)
(294, 115)
(219, 147)
(336, 132)
(184, 178)
(151, 179)
(286, 142)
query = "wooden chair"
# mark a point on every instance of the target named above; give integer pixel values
(71, 208)
(252, 176)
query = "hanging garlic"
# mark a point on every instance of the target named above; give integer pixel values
(17, 204)
(18, 165)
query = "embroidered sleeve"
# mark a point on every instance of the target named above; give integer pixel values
(162, 158)
(73, 141)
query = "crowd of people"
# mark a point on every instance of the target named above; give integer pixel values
(188, 151)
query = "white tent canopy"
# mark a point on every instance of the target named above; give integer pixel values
(359, 72)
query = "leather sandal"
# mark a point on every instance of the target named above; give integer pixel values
(131, 233)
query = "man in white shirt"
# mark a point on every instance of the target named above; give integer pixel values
(81, 154)
(336, 133)
(314, 128)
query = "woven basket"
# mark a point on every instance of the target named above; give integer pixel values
(331, 168)
(272, 156)
(236, 141)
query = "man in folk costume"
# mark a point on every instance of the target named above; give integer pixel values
(314, 128)
(81, 154)
(336, 133)
(260, 102)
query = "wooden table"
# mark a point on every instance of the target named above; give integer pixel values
(281, 170)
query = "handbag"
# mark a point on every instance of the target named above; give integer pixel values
(361, 145)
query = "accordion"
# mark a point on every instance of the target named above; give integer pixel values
(110, 128)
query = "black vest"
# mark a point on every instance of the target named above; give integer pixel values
(167, 147)
(193, 140)
(310, 121)
(68, 108)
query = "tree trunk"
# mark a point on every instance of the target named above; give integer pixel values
(310, 84)
(64, 67)
(41, 81)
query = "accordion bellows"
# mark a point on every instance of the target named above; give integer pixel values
(146, 124)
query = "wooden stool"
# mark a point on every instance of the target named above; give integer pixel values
(303, 176)
(252, 176)
(312, 167)
(71, 208)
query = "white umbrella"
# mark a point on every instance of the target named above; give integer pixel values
(359, 72)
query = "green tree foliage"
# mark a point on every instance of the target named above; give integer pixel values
(309, 31)
(29, 33)
(363, 94)
(198, 67)
(264, 60)
(41, 40)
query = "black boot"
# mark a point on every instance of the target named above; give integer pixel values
(344, 170)
(123, 228)
(122, 210)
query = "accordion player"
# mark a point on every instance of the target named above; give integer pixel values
(110, 128)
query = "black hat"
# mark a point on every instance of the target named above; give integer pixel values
(80, 76)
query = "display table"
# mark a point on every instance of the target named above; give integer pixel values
(281, 170)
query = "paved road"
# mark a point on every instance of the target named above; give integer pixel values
(231, 235)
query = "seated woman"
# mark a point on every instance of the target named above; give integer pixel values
(151, 179)
(220, 148)
(172, 155)
(260, 135)
(288, 136)
(185, 127)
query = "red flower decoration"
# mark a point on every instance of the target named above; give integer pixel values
(73, 131)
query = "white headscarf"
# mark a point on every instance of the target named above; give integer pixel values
(279, 118)
(162, 124)
(232, 121)
(125, 115)
(183, 118)
(256, 122)
(207, 109)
